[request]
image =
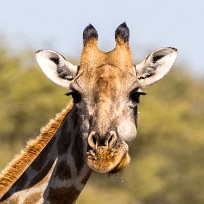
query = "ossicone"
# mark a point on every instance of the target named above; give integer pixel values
(122, 33)
(89, 34)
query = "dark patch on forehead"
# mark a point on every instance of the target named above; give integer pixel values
(63, 195)
(63, 171)
(32, 198)
(42, 173)
(106, 87)
(106, 76)
(78, 152)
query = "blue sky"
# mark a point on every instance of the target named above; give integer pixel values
(59, 25)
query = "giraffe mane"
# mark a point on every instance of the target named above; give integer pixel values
(33, 148)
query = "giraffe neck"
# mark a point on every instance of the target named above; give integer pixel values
(59, 172)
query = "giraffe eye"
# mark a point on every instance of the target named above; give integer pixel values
(75, 95)
(135, 96)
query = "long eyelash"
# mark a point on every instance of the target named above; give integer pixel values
(69, 93)
(139, 90)
(142, 93)
(135, 95)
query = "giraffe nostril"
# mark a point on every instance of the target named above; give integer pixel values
(111, 139)
(93, 140)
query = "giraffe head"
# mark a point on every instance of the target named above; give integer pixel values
(106, 89)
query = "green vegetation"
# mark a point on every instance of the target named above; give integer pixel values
(167, 164)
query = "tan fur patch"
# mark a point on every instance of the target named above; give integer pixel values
(32, 198)
(22, 161)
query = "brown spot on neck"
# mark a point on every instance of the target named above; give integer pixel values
(63, 171)
(64, 140)
(63, 195)
(42, 159)
(41, 174)
(33, 198)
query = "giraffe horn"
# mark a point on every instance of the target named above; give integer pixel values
(91, 54)
(122, 34)
(90, 36)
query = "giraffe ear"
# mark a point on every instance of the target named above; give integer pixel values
(56, 67)
(155, 66)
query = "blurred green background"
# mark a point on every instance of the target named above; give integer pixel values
(167, 164)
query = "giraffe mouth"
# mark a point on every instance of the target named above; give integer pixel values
(105, 160)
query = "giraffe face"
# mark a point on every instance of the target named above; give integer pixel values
(106, 89)
(107, 99)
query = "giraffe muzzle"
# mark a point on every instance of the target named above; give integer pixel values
(107, 154)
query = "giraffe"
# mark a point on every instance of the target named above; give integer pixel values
(94, 131)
